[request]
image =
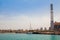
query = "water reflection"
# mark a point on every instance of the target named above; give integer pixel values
(54, 37)
(28, 37)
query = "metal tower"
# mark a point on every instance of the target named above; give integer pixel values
(30, 27)
(52, 22)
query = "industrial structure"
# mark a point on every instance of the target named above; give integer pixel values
(52, 21)
(53, 25)
(57, 26)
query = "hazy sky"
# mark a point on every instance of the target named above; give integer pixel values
(18, 14)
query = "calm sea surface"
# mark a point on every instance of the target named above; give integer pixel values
(12, 36)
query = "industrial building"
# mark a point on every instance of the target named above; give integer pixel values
(57, 26)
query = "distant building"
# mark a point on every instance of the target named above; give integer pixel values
(41, 28)
(57, 26)
(45, 29)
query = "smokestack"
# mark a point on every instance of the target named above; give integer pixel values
(52, 22)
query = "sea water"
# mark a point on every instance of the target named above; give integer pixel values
(13, 36)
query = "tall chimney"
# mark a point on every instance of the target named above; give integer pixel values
(52, 22)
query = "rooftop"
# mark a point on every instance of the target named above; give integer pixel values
(57, 23)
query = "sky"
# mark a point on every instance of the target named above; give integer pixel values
(19, 14)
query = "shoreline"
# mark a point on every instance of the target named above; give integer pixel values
(48, 32)
(37, 33)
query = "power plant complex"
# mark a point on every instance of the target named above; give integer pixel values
(53, 25)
